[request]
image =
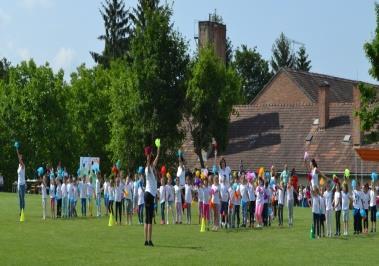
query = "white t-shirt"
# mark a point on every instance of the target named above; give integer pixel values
(314, 180)
(170, 193)
(289, 194)
(181, 174)
(366, 200)
(322, 205)
(206, 195)
(345, 201)
(151, 181)
(64, 190)
(234, 196)
(372, 198)
(188, 193)
(70, 191)
(111, 193)
(251, 192)
(337, 201)
(105, 187)
(281, 196)
(20, 175)
(118, 193)
(58, 192)
(89, 190)
(141, 199)
(316, 204)
(328, 196)
(43, 191)
(82, 190)
(357, 199)
(52, 191)
(224, 192)
(244, 193)
(97, 187)
(216, 194)
(162, 194)
(200, 194)
(178, 194)
(224, 176)
(259, 192)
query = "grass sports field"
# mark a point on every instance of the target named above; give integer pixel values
(89, 241)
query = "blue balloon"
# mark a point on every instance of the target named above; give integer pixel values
(40, 171)
(363, 213)
(214, 169)
(140, 170)
(374, 176)
(353, 183)
(52, 176)
(17, 145)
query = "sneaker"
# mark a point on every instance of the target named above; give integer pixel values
(146, 243)
(151, 244)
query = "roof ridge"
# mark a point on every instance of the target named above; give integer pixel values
(319, 75)
(275, 105)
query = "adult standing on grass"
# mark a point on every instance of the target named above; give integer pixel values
(21, 187)
(150, 191)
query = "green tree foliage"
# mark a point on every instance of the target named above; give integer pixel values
(212, 91)
(33, 111)
(282, 55)
(4, 68)
(302, 61)
(138, 16)
(88, 109)
(148, 98)
(253, 70)
(117, 32)
(369, 112)
(229, 52)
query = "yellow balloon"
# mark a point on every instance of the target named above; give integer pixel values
(197, 173)
(322, 182)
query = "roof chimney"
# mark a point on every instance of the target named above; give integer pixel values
(323, 105)
(357, 133)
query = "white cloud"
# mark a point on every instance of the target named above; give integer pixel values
(63, 59)
(30, 4)
(23, 53)
(4, 18)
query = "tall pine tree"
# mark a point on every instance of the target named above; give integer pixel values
(138, 16)
(117, 32)
(282, 55)
(302, 62)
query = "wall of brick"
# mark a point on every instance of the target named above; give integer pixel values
(282, 90)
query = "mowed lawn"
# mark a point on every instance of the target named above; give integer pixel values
(89, 241)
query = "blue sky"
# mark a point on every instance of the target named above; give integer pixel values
(63, 32)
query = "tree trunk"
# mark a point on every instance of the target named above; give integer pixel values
(198, 152)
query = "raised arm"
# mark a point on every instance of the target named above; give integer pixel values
(20, 160)
(157, 157)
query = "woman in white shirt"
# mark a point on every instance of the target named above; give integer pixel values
(181, 176)
(315, 173)
(224, 173)
(21, 185)
(150, 194)
(337, 209)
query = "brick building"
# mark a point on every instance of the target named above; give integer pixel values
(296, 112)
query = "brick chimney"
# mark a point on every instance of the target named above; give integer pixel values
(323, 105)
(357, 133)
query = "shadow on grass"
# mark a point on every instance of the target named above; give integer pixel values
(179, 247)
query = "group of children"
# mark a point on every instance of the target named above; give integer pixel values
(329, 200)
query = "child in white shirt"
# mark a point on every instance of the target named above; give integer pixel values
(64, 198)
(224, 204)
(280, 191)
(178, 202)
(328, 197)
(316, 211)
(141, 202)
(128, 191)
(235, 196)
(216, 203)
(200, 201)
(322, 212)
(251, 194)
(58, 198)
(206, 198)
(366, 204)
(170, 198)
(44, 196)
(345, 208)
(373, 207)
(111, 195)
(357, 205)
(52, 197)
(290, 202)
(98, 195)
(244, 200)
(163, 199)
(118, 199)
(83, 195)
(188, 198)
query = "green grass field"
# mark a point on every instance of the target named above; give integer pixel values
(89, 241)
